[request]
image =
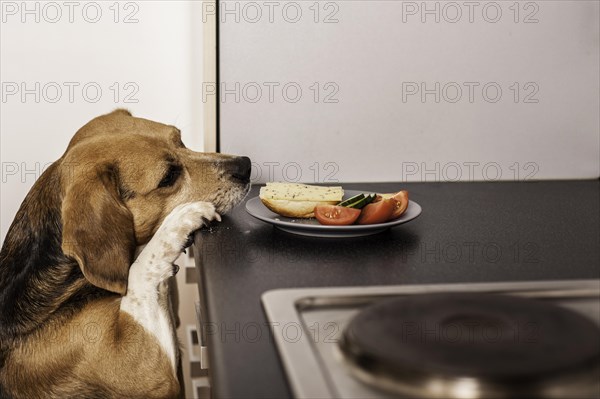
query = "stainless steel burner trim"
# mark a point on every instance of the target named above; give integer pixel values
(440, 386)
(298, 354)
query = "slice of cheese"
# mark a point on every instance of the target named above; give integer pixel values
(301, 192)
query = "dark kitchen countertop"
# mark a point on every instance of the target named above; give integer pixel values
(468, 232)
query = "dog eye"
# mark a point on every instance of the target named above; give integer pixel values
(170, 177)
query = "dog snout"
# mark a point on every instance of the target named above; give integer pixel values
(241, 169)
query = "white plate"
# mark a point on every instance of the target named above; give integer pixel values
(311, 227)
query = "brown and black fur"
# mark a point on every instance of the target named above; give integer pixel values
(65, 260)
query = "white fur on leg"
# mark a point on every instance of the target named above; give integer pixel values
(147, 294)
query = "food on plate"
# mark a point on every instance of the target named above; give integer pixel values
(401, 204)
(326, 204)
(351, 200)
(377, 212)
(335, 215)
(358, 201)
(298, 200)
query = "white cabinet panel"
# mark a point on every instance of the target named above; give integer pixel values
(491, 90)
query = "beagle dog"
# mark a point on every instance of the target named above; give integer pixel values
(81, 315)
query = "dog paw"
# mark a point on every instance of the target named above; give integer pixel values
(175, 233)
(156, 261)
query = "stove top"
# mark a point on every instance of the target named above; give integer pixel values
(534, 339)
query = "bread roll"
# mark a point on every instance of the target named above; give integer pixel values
(298, 200)
(294, 209)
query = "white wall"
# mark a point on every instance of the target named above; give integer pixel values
(160, 56)
(158, 53)
(374, 54)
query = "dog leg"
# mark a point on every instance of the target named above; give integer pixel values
(146, 299)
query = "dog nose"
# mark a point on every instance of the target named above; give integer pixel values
(242, 167)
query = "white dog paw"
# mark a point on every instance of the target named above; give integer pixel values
(156, 262)
(173, 235)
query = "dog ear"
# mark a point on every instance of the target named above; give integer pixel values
(98, 229)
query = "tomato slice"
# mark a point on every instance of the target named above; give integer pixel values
(336, 215)
(378, 198)
(401, 204)
(377, 212)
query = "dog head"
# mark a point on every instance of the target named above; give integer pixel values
(120, 177)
